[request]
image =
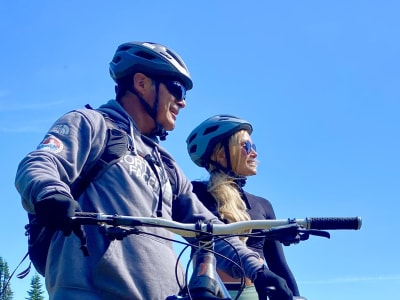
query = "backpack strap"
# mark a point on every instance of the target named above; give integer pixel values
(115, 146)
(172, 174)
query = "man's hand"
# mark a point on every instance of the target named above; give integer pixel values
(54, 212)
(266, 279)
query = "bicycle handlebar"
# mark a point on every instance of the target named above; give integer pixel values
(191, 230)
(305, 226)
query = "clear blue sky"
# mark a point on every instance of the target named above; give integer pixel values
(319, 80)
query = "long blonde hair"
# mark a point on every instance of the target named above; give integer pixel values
(223, 188)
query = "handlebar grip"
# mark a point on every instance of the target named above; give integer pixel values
(331, 223)
(85, 218)
(86, 214)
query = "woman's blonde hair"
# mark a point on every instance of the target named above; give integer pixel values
(223, 188)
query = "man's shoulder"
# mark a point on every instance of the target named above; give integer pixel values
(91, 115)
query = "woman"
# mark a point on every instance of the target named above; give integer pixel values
(223, 146)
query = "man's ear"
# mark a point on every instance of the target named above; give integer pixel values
(141, 83)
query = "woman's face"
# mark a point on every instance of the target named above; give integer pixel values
(243, 155)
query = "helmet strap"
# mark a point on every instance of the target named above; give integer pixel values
(239, 180)
(152, 112)
(228, 168)
(227, 155)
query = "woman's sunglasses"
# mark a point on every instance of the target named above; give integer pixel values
(176, 89)
(247, 146)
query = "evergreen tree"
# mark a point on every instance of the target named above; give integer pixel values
(5, 290)
(36, 291)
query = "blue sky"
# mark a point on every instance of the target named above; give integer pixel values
(317, 79)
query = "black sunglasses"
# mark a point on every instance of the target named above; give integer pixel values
(248, 146)
(176, 89)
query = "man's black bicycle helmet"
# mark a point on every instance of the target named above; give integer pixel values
(151, 59)
(202, 140)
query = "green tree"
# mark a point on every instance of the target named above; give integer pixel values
(5, 290)
(36, 291)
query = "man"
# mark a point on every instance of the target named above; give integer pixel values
(151, 84)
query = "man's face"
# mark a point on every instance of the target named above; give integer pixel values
(169, 105)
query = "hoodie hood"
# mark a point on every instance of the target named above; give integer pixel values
(122, 118)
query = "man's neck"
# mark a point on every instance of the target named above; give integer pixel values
(138, 113)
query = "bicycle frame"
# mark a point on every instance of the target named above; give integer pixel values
(205, 282)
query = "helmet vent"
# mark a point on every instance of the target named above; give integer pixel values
(192, 137)
(193, 149)
(177, 58)
(210, 129)
(124, 48)
(116, 59)
(145, 55)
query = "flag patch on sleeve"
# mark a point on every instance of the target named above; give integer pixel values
(51, 144)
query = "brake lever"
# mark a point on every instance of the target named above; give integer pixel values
(292, 234)
(117, 232)
(315, 232)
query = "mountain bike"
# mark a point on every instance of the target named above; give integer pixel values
(204, 282)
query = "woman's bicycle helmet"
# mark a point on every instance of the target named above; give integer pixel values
(151, 59)
(203, 139)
